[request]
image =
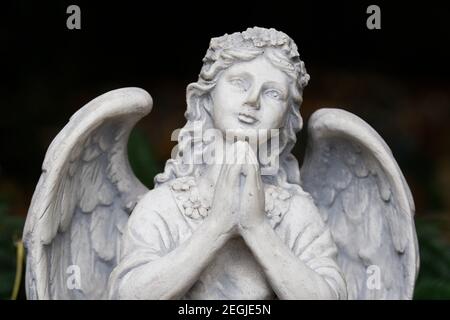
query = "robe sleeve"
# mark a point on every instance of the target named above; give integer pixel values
(308, 237)
(147, 237)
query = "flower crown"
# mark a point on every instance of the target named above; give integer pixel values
(256, 38)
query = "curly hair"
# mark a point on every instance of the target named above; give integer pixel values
(223, 52)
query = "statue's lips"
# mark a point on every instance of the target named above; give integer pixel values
(247, 118)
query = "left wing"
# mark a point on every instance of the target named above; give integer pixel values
(364, 199)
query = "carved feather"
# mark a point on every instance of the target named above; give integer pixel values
(362, 195)
(80, 205)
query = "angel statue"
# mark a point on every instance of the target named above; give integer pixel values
(341, 228)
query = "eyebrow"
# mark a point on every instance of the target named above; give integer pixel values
(276, 84)
(269, 82)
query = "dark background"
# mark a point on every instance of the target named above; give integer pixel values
(396, 78)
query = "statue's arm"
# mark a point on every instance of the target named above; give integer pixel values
(288, 275)
(149, 272)
(173, 274)
(298, 257)
(292, 267)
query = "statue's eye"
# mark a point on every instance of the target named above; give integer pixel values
(238, 83)
(274, 94)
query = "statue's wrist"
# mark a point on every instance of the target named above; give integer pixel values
(255, 230)
(219, 228)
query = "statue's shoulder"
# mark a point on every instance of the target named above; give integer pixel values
(157, 201)
(296, 207)
(156, 217)
(159, 207)
(180, 195)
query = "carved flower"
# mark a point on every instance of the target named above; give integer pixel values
(256, 38)
(196, 207)
(277, 203)
(188, 197)
(183, 184)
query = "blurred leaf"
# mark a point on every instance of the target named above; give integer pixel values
(432, 289)
(10, 231)
(434, 275)
(141, 158)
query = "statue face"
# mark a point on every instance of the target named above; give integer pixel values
(250, 96)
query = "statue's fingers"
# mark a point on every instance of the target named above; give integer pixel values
(223, 180)
(224, 171)
(236, 170)
(253, 166)
(251, 156)
(232, 173)
(252, 181)
(241, 149)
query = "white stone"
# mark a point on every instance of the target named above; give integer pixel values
(240, 230)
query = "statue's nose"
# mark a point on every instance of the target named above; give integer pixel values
(253, 99)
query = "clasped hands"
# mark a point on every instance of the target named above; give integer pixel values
(238, 204)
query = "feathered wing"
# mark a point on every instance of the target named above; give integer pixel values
(83, 199)
(364, 199)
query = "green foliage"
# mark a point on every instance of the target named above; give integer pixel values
(10, 231)
(141, 158)
(434, 275)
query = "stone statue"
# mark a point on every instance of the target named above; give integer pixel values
(254, 227)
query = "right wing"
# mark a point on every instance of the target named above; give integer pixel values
(83, 199)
